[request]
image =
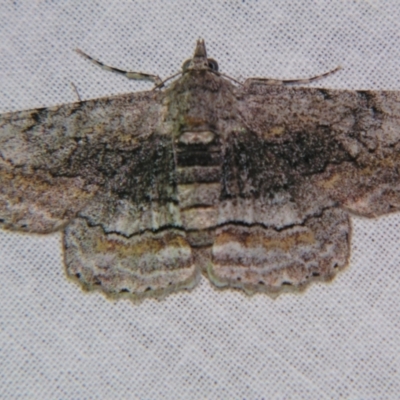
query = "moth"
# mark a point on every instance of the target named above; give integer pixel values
(251, 185)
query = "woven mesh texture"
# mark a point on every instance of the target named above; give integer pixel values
(336, 340)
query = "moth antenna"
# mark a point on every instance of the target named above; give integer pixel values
(138, 76)
(161, 84)
(271, 81)
(229, 77)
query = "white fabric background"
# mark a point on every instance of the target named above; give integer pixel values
(335, 340)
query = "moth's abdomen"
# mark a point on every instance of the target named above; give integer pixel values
(198, 155)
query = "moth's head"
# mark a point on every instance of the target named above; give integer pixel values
(200, 60)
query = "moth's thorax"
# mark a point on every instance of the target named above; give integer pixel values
(199, 101)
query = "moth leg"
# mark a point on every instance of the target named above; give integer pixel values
(268, 81)
(264, 259)
(139, 76)
(149, 264)
(75, 89)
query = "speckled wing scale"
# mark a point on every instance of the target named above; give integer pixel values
(250, 185)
